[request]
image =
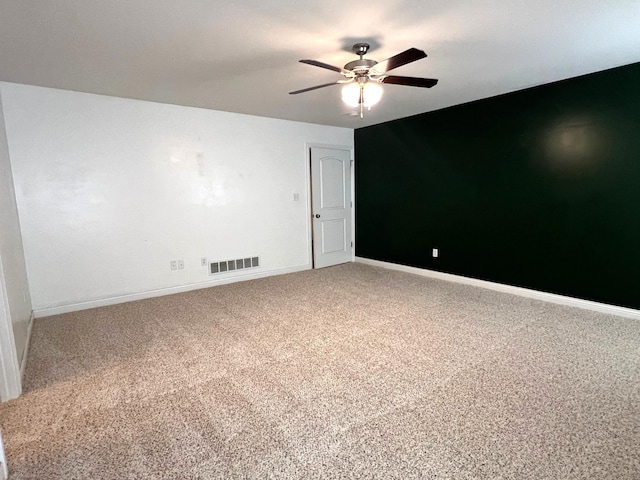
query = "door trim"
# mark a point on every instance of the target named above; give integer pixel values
(351, 150)
(10, 378)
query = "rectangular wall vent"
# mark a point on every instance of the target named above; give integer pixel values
(232, 265)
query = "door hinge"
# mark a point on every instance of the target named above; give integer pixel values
(351, 244)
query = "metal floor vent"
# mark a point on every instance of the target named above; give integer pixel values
(232, 265)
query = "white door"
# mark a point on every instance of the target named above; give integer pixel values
(331, 206)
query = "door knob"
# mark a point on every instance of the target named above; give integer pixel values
(317, 215)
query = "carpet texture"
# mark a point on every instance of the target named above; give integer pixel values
(345, 372)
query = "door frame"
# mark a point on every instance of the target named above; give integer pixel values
(10, 373)
(351, 150)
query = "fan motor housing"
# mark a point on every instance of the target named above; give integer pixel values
(361, 64)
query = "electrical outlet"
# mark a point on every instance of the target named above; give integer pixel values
(435, 253)
(174, 264)
(203, 261)
(180, 264)
(296, 197)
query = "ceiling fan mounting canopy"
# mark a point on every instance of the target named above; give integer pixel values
(360, 49)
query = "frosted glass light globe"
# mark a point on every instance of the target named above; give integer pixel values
(371, 93)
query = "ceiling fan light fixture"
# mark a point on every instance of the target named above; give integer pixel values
(355, 93)
(363, 77)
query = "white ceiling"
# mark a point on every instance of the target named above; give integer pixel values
(243, 56)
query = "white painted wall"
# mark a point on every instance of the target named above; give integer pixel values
(110, 190)
(15, 301)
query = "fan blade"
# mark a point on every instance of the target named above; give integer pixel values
(324, 65)
(398, 60)
(314, 88)
(411, 81)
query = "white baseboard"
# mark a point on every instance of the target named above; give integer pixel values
(25, 352)
(499, 287)
(103, 302)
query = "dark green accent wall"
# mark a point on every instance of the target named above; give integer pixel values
(538, 188)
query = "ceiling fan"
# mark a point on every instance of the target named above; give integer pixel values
(363, 76)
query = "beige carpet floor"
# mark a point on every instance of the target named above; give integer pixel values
(345, 372)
